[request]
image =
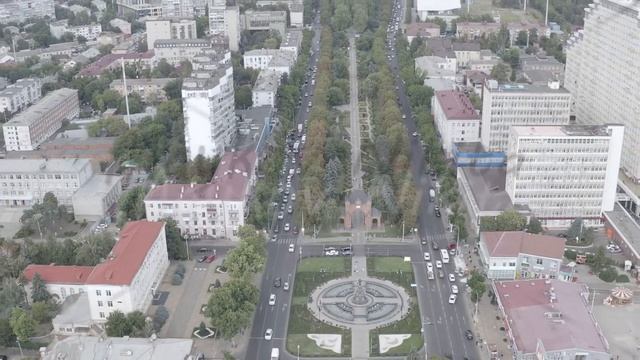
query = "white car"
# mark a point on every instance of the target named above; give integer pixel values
(427, 256)
(293, 196)
(287, 227)
(454, 289)
(286, 286)
(280, 215)
(438, 263)
(292, 248)
(452, 278)
(268, 334)
(429, 266)
(452, 298)
(272, 299)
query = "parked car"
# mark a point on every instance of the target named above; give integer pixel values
(277, 282)
(202, 258)
(210, 258)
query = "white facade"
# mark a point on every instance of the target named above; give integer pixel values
(269, 59)
(265, 90)
(176, 51)
(232, 27)
(178, 8)
(89, 32)
(209, 109)
(506, 105)
(24, 182)
(20, 10)
(30, 128)
(603, 75)
(428, 9)
(93, 200)
(455, 118)
(166, 29)
(564, 172)
(20, 95)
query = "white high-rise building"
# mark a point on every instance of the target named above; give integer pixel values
(216, 16)
(169, 28)
(209, 107)
(564, 172)
(506, 105)
(178, 8)
(603, 73)
(225, 21)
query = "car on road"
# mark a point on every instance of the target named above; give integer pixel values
(423, 241)
(454, 289)
(452, 298)
(292, 247)
(294, 230)
(203, 250)
(434, 245)
(427, 256)
(293, 196)
(272, 299)
(290, 210)
(415, 133)
(286, 286)
(280, 215)
(277, 282)
(468, 334)
(441, 274)
(274, 238)
(429, 266)
(452, 278)
(268, 334)
(202, 258)
(439, 264)
(210, 259)
(332, 252)
(287, 227)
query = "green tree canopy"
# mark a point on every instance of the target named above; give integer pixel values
(39, 291)
(22, 324)
(231, 306)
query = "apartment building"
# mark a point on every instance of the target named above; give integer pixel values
(33, 126)
(456, 119)
(148, 89)
(209, 107)
(24, 182)
(253, 20)
(169, 28)
(603, 75)
(125, 281)
(18, 96)
(122, 25)
(269, 59)
(216, 209)
(175, 51)
(139, 8)
(506, 105)
(89, 32)
(46, 54)
(475, 30)
(265, 90)
(292, 42)
(564, 172)
(20, 10)
(178, 8)
(510, 255)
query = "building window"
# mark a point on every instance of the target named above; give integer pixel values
(108, 292)
(539, 261)
(100, 304)
(102, 315)
(110, 303)
(98, 292)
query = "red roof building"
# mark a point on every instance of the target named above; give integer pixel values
(59, 274)
(456, 118)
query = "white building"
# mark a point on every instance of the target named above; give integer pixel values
(444, 9)
(232, 27)
(510, 255)
(216, 209)
(20, 95)
(37, 123)
(505, 105)
(98, 196)
(564, 172)
(603, 75)
(296, 14)
(216, 16)
(292, 42)
(60, 281)
(456, 119)
(276, 20)
(169, 29)
(89, 32)
(265, 90)
(209, 107)
(115, 348)
(125, 281)
(18, 10)
(178, 8)
(269, 59)
(24, 182)
(176, 51)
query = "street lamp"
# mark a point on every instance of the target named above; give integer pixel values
(298, 352)
(20, 347)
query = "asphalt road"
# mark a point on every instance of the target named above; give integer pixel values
(444, 324)
(280, 261)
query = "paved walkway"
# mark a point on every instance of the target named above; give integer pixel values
(356, 158)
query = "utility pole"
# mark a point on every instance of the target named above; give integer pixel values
(546, 14)
(402, 230)
(126, 93)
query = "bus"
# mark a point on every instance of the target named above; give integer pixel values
(445, 256)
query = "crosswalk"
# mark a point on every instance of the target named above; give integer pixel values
(285, 241)
(439, 238)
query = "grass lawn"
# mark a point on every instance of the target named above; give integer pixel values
(326, 263)
(411, 324)
(309, 348)
(393, 269)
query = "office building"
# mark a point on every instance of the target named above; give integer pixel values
(33, 126)
(208, 106)
(510, 255)
(269, 59)
(549, 319)
(216, 209)
(125, 281)
(232, 27)
(112, 348)
(24, 182)
(97, 198)
(20, 95)
(169, 28)
(444, 9)
(19, 11)
(178, 8)
(506, 105)
(292, 42)
(564, 172)
(139, 8)
(603, 75)
(456, 119)
(253, 20)
(89, 31)
(265, 90)
(175, 51)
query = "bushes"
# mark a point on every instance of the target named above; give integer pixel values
(622, 278)
(176, 279)
(160, 317)
(609, 274)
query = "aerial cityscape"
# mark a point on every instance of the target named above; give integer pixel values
(320, 179)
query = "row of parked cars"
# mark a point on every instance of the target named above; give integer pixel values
(334, 251)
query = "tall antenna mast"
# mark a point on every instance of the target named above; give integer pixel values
(126, 93)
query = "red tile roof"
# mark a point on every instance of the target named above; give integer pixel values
(228, 183)
(423, 29)
(551, 311)
(97, 67)
(136, 238)
(456, 105)
(59, 274)
(512, 243)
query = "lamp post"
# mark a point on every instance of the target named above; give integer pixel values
(20, 347)
(298, 357)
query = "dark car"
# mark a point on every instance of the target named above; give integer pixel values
(202, 258)
(434, 246)
(441, 274)
(203, 250)
(437, 212)
(277, 282)
(295, 230)
(468, 334)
